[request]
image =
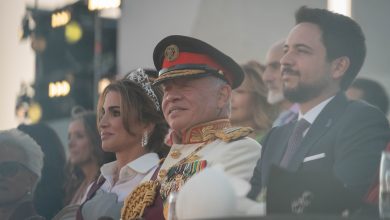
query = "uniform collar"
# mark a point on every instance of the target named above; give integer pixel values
(204, 132)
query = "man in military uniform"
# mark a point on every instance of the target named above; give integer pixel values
(197, 80)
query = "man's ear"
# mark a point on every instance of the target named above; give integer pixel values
(224, 95)
(340, 66)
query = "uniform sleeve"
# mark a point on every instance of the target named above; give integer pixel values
(240, 158)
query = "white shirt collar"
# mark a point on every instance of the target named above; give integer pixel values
(140, 165)
(313, 113)
(144, 163)
(294, 108)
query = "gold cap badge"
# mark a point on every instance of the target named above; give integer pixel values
(171, 52)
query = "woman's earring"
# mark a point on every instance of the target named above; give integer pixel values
(144, 140)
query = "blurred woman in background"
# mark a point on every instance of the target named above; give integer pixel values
(49, 194)
(85, 155)
(249, 102)
(21, 162)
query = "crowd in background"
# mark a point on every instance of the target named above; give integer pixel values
(237, 119)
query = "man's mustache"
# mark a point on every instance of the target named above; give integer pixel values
(289, 71)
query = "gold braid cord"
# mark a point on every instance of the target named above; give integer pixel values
(141, 197)
(233, 133)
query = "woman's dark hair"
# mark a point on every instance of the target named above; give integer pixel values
(137, 104)
(49, 193)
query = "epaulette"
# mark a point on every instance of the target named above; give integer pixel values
(233, 133)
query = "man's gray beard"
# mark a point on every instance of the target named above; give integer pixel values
(275, 97)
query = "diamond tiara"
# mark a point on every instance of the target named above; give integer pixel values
(139, 76)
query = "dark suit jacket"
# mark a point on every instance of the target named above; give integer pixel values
(350, 135)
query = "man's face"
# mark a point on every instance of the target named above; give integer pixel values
(188, 102)
(272, 76)
(306, 73)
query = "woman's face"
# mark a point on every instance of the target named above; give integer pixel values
(16, 181)
(114, 136)
(80, 146)
(242, 103)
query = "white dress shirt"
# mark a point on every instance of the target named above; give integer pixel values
(313, 113)
(130, 175)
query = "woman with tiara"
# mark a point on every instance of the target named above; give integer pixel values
(132, 126)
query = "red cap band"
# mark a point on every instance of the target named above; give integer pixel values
(194, 58)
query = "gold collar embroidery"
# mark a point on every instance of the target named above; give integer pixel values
(204, 132)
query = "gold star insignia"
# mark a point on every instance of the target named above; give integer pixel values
(162, 173)
(175, 154)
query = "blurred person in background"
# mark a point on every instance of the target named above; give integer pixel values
(85, 155)
(21, 162)
(272, 78)
(132, 126)
(370, 91)
(49, 194)
(85, 159)
(249, 102)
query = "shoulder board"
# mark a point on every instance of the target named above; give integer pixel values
(233, 133)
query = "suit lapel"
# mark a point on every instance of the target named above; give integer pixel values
(282, 142)
(327, 117)
(275, 148)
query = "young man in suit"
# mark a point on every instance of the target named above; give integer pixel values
(343, 139)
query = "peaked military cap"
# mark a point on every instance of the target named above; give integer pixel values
(181, 56)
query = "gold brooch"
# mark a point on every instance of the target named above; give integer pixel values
(171, 52)
(162, 173)
(175, 154)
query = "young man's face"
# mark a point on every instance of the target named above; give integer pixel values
(306, 73)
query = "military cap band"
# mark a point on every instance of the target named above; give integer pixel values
(190, 70)
(203, 60)
(181, 56)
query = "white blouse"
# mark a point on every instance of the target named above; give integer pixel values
(130, 175)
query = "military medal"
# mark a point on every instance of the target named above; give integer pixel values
(175, 154)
